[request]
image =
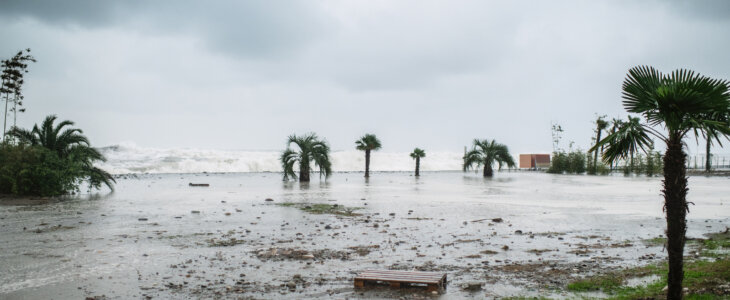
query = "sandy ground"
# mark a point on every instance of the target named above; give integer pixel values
(523, 234)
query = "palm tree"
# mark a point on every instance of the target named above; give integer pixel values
(417, 154)
(601, 125)
(635, 138)
(615, 125)
(486, 153)
(681, 102)
(710, 134)
(311, 149)
(367, 143)
(67, 143)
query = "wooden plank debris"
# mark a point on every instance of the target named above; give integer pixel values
(432, 280)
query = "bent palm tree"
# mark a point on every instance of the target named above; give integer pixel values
(311, 149)
(486, 153)
(417, 154)
(632, 137)
(681, 101)
(67, 143)
(367, 143)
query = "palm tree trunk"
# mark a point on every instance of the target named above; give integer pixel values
(631, 168)
(675, 205)
(5, 115)
(488, 170)
(595, 155)
(708, 164)
(367, 163)
(15, 110)
(418, 165)
(304, 171)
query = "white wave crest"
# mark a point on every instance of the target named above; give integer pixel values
(129, 158)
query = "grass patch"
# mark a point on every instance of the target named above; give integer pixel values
(332, 209)
(657, 241)
(602, 283)
(704, 278)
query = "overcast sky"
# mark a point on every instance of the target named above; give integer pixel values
(432, 74)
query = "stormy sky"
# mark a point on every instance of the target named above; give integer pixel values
(432, 74)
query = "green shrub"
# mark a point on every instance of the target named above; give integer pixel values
(35, 170)
(49, 160)
(570, 163)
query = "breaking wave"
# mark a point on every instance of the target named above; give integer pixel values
(129, 158)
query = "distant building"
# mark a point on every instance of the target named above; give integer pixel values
(534, 161)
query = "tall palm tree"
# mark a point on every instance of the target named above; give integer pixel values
(417, 154)
(681, 102)
(601, 125)
(486, 153)
(710, 134)
(67, 143)
(311, 149)
(367, 143)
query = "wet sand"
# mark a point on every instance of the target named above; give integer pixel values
(519, 234)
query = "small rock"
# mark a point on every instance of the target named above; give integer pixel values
(497, 220)
(519, 232)
(291, 285)
(505, 247)
(142, 219)
(328, 227)
(269, 199)
(392, 214)
(194, 211)
(472, 286)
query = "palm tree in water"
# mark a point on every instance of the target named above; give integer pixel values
(485, 153)
(367, 143)
(310, 150)
(417, 154)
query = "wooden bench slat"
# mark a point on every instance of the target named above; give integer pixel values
(400, 280)
(401, 275)
(409, 277)
(433, 280)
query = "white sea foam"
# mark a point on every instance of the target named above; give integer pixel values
(129, 158)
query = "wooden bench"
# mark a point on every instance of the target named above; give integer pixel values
(434, 281)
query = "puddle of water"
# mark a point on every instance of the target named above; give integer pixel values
(642, 281)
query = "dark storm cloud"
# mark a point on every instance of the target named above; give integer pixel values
(702, 9)
(436, 74)
(256, 29)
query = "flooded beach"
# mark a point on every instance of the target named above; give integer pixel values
(250, 235)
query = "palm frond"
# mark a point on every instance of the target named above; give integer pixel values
(288, 159)
(368, 142)
(630, 138)
(680, 101)
(98, 176)
(23, 136)
(418, 153)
